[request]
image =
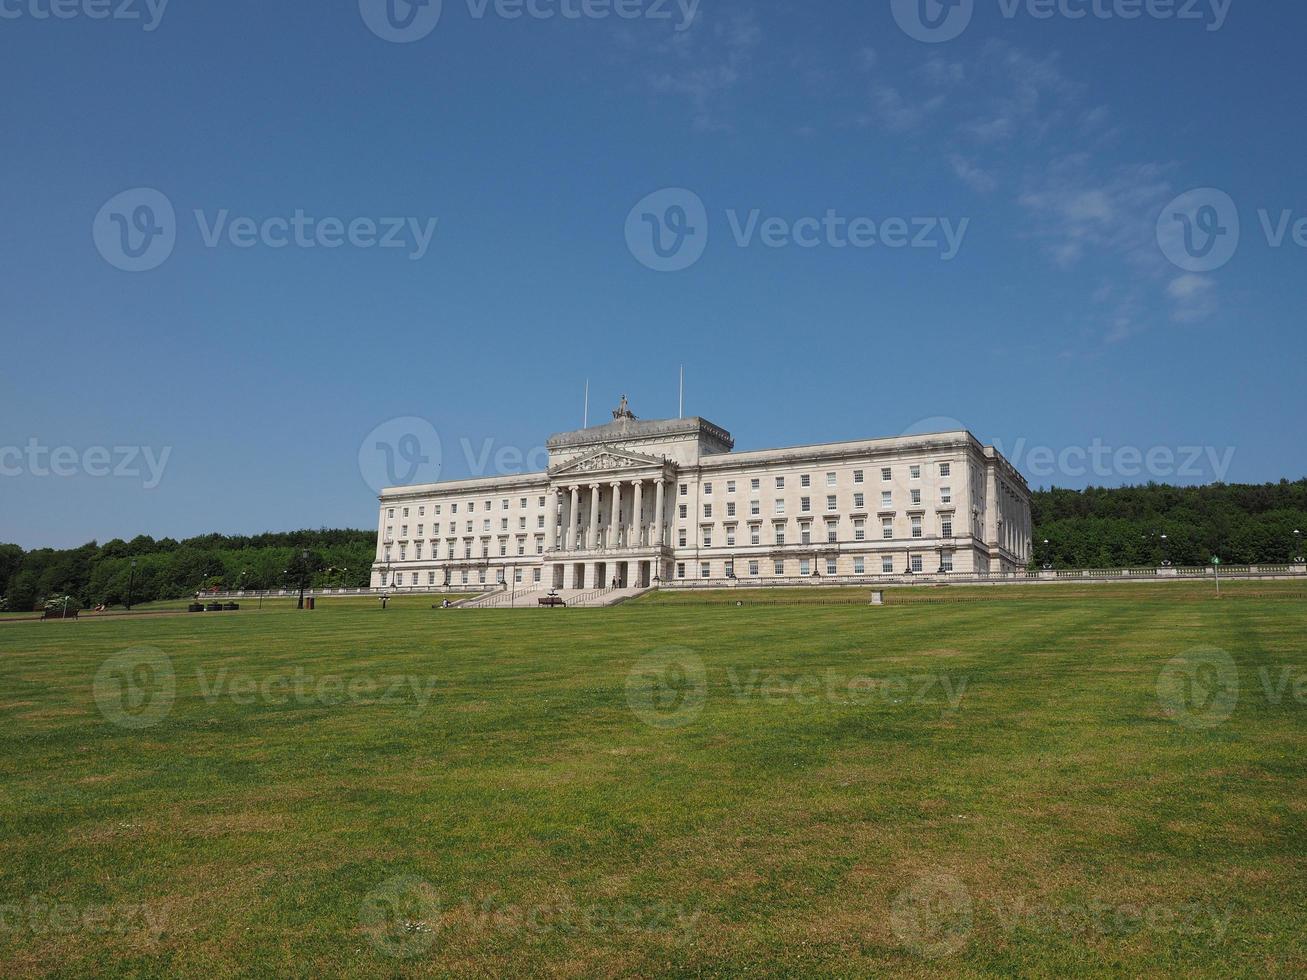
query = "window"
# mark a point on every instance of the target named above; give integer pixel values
(780, 505)
(916, 563)
(945, 469)
(832, 503)
(730, 569)
(916, 498)
(705, 570)
(830, 479)
(431, 578)
(831, 567)
(859, 530)
(914, 472)
(754, 484)
(453, 508)
(707, 489)
(469, 527)
(680, 569)
(946, 561)
(887, 528)
(730, 508)
(707, 510)
(887, 498)
(422, 511)
(503, 504)
(946, 527)
(685, 489)
(916, 527)
(417, 550)
(755, 534)
(684, 511)
(886, 564)
(707, 537)
(406, 512)
(521, 546)
(805, 567)
(503, 523)
(471, 506)
(391, 513)
(859, 566)
(403, 531)
(886, 475)
(780, 533)
(755, 508)
(778, 567)
(730, 537)
(780, 483)
(420, 526)
(403, 553)
(753, 568)
(859, 501)
(832, 532)
(535, 575)
(805, 504)
(465, 578)
(437, 510)
(517, 576)
(680, 538)
(805, 534)
(946, 495)
(805, 481)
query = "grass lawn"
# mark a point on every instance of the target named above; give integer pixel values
(1056, 781)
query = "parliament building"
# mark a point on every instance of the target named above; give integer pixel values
(635, 503)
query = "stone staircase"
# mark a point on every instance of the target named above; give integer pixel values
(575, 598)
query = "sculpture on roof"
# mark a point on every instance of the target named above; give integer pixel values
(623, 411)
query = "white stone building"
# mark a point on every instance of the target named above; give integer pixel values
(641, 502)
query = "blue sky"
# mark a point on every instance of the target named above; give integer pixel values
(232, 385)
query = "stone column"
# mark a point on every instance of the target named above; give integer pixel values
(554, 500)
(660, 508)
(592, 532)
(569, 537)
(991, 505)
(637, 516)
(615, 517)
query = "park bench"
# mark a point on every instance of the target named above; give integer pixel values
(552, 601)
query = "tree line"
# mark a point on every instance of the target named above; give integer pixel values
(1093, 528)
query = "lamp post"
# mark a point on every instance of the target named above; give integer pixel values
(304, 568)
(1166, 551)
(1048, 565)
(1297, 547)
(131, 580)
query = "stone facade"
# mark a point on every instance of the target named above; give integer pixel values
(637, 502)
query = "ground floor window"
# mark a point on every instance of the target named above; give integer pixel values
(753, 568)
(946, 562)
(431, 578)
(804, 567)
(916, 563)
(730, 569)
(886, 564)
(778, 567)
(465, 578)
(535, 575)
(705, 570)
(517, 576)
(680, 569)
(831, 566)
(859, 566)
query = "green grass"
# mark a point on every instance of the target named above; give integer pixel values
(981, 787)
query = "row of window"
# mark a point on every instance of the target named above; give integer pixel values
(468, 527)
(452, 550)
(463, 577)
(917, 530)
(832, 503)
(470, 505)
(805, 566)
(832, 479)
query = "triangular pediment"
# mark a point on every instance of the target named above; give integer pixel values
(606, 458)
